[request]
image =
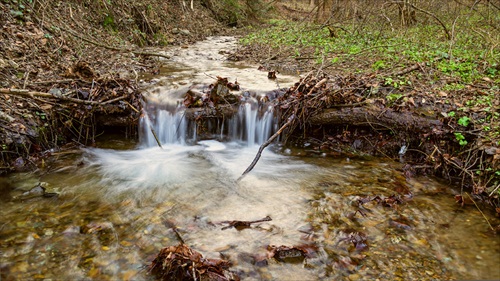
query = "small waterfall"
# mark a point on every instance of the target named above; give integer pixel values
(170, 127)
(253, 124)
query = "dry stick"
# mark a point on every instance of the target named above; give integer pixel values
(6, 117)
(55, 81)
(115, 48)
(33, 94)
(243, 224)
(406, 70)
(470, 197)
(152, 129)
(317, 86)
(264, 145)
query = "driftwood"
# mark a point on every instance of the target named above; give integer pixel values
(376, 118)
(239, 225)
(220, 111)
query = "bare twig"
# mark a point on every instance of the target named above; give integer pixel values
(152, 129)
(445, 29)
(318, 85)
(115, 48)
(33, 94)
(407, 70)
(6, 117)
(264, 145)
(470, 197)
(239, 225)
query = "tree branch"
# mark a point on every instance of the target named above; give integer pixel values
(445, 29)
(31, 94)
(264, 145)
(115, 48)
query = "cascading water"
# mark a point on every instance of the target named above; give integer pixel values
(169, 127)
(253, 124)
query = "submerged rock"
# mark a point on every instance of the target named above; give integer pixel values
(42, 189)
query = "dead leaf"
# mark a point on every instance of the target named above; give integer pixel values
(183, 263)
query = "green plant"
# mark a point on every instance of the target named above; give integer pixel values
(464, 121)
(460, 138)
(109, 22)
(392, 98)
(42, 115)
(453, 87)
(396, 83)
(379, 65)
(19, 10)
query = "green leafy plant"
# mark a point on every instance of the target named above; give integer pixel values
(460, 138)
(19, 10)
(109, 22)
(42, 115)
(380, 64)
(464, 121)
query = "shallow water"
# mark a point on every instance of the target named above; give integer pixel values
(109, 219)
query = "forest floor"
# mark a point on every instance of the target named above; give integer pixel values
(54, 55)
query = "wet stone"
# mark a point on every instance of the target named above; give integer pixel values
(354, 277)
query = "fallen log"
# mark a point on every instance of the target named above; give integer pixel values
(377, 118)
(220, 111)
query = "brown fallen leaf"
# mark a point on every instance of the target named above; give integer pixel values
(183, 263)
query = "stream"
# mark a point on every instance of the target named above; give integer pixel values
(115, 201)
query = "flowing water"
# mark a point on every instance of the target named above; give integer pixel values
(109, 219)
